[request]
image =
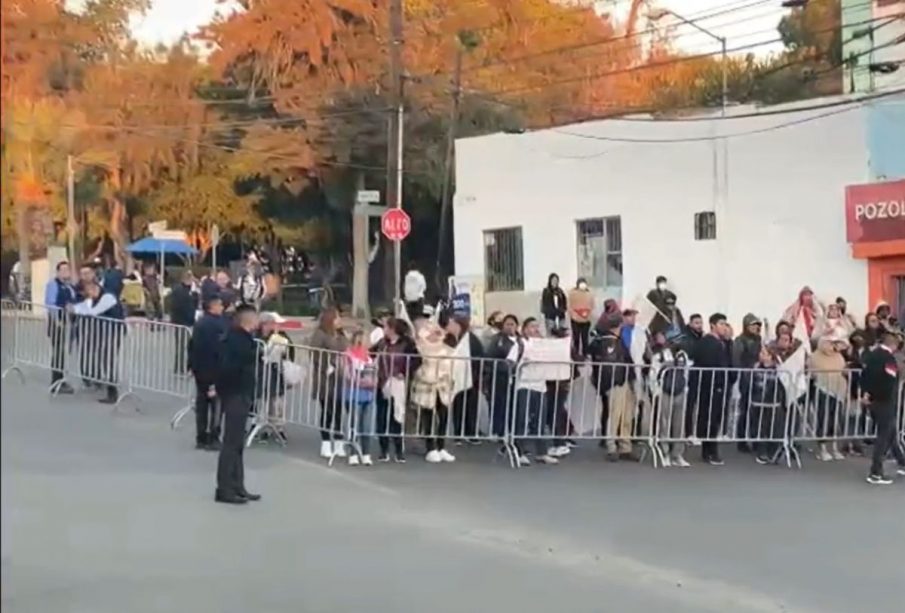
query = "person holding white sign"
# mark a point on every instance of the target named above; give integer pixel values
(530, 394)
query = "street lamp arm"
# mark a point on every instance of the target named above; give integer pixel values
(660, 14)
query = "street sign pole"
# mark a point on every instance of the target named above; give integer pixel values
(215, 240)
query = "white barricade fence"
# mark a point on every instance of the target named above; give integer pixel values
(355, 397)
(383, 402)
(9, 334)
(114, 356)
(41, 337)
(831, 417)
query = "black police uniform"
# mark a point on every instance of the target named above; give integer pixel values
(236, 389)
(204, 354)
(879, 379)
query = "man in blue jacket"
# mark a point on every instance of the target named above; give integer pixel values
(204, 345)
(59, 296)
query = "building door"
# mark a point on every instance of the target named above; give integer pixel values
(886, 277)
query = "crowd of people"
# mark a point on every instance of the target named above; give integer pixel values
(423, 372)
(684, 374)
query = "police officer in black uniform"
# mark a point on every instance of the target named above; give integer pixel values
(879, 388)
(204, 350)
(236, 388)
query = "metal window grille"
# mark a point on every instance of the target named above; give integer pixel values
(705, 226)
(600, 251)
(504, 267)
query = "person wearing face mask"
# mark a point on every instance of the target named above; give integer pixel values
(581, 305)
(661, 293)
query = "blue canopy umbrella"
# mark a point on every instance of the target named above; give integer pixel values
(162, 247)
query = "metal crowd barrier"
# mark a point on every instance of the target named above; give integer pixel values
(390, 402)
(118, 357)
(389, 397)
(542, 407)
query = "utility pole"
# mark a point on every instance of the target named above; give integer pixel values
(445, 199)
(71, 225)
(395, 145)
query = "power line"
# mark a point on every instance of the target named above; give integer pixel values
(585, 45)
(846, 105)
(670, 62)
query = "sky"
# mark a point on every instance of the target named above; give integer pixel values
(749, 21)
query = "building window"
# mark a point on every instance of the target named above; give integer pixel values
(600, 251)
(504, 267)
(705, 226)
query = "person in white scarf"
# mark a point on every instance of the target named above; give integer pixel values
(432, 391)
(469, 370)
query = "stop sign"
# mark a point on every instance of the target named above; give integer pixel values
(395, 224)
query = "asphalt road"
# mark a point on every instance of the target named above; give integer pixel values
(107, 512)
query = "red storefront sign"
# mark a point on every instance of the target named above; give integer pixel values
(875, 212)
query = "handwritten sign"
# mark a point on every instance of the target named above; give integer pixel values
(546, 359)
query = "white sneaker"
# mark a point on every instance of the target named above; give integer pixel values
(446, 456)
(823, 455)
(524, 460)
(681, 462)
(837, 455)
(339, 449)
(667, 462)
(326, 449)
(901, 471)
(559, 452)
(366, 460)
(547, 459)
(353, 460)
(433, 457)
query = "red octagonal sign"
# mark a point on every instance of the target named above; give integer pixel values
(396, 225)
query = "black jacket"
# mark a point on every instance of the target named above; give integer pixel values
(611, 362)
(204, 346)
(480, 369)
(553, 303)
(238, 364)
(183, 305)
(713, 380)
(880, 376)
(746, 350)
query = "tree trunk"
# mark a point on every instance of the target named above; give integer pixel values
(360, 284)
(117, 221)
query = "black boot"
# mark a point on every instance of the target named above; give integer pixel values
(229, 498)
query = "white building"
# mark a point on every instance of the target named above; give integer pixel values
(737, 223)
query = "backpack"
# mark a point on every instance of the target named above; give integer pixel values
(133, 295)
